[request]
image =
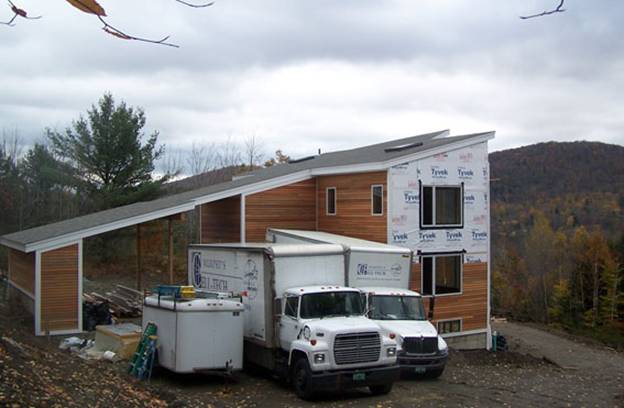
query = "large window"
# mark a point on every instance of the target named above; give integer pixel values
(377, 199)
(330, 198)
(441, 206)
(441, 274)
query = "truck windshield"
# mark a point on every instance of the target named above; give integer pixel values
(328, 304)
(393, 307)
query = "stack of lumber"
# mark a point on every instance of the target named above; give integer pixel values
(122, 301)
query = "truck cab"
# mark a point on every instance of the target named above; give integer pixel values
(331, 344)
(420, 349)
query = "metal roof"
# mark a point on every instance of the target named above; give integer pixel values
(353, 160)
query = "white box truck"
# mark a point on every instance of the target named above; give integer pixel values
(300, 322)
(382, 272)
(367, 263)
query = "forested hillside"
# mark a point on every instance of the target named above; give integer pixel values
(558, 235)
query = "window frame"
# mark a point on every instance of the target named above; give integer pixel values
(373, 213)
(433, 257)
(327, 201)
(287, 298)
(433, 206)
(457, 319)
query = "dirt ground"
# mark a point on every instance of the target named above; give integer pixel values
(34, 372)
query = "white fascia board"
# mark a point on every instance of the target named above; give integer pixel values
(379, 166)
(11, 244)
(73, 238)
(441, 149)
(37, 305)
(442, 134)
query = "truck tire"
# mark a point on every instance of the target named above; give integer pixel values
(301, 379)
(380, 389)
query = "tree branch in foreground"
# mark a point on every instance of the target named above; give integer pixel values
(559, 9)
(18, 13)
(91, 7)
(195, 5)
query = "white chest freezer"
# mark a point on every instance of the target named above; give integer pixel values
(198, 334)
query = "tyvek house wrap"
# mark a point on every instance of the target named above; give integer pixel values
(469, 166)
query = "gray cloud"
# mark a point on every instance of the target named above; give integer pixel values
(325, 74)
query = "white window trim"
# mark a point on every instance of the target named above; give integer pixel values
(373, 200)
(433, 275)
(327, 201)
(461, 324)
(433, 207)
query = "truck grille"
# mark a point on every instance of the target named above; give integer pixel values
(357, 348)
(420, 345)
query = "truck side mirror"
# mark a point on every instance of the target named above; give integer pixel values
(277, 307)
(431, 307)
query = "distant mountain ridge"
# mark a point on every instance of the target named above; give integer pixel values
(555, 168)
(572, 183)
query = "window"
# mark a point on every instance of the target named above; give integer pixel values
(441, 274)
(449, 326)
(292, 304)
(330, 197)
(377, 199)
(441, 206)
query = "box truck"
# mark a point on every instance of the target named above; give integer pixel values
(367, 263)
(382, 272)
(300, 321)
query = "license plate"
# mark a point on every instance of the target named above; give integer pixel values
(420, 370)
(359, 376)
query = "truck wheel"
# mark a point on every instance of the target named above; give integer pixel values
(301, 379)
(380, 389)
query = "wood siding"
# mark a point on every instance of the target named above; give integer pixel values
(220, 221)
(470, 306)
(353, 206)
(59, 289)
(415, 277)
(292, 206)
(22, 270)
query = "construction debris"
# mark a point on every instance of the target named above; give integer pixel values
(122, 302)
(119, 338)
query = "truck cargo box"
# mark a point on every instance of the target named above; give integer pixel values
(261, 272)
(368, 263)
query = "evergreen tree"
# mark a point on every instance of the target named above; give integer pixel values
(48, 186)
(111, 164)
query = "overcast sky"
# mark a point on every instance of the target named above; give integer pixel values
(303, 75)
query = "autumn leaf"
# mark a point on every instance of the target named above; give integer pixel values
(88, 6)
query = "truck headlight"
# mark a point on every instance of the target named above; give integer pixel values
(307, 333)
(391, 351)
(319, 358)
(442, 346)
